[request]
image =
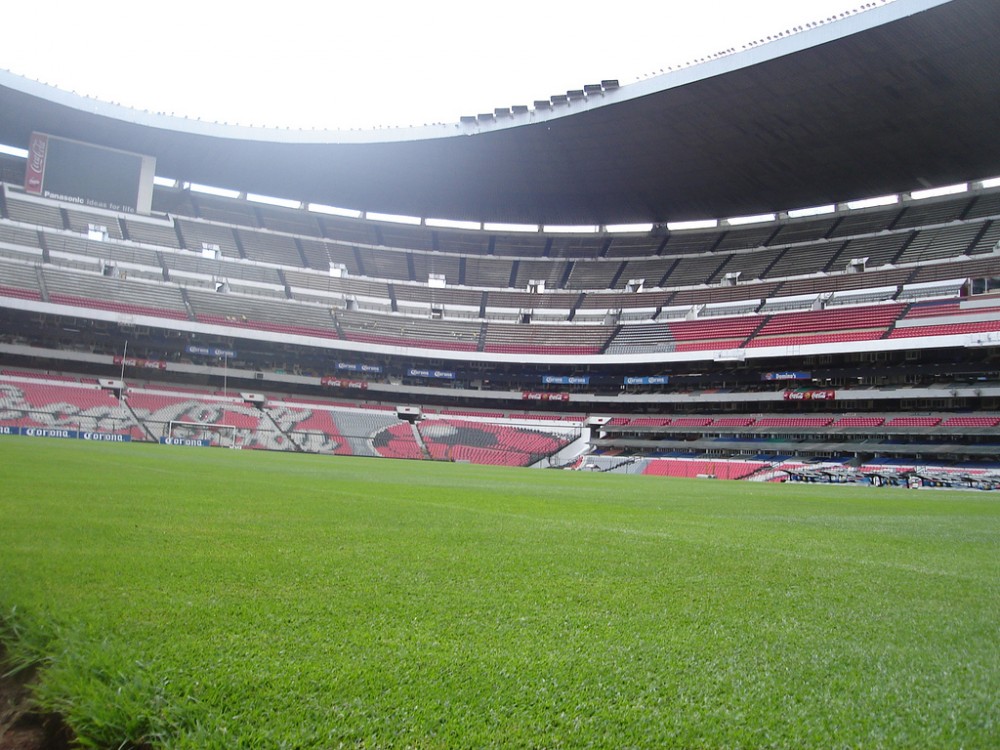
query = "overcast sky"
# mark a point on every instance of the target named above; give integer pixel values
(369, 63)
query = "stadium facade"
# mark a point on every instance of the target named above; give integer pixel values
(566, 263)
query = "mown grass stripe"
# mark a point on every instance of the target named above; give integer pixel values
(209, 598)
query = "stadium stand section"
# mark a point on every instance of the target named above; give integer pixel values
(862, 335)
(231, 292)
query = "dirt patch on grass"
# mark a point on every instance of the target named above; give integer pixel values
(22, 726)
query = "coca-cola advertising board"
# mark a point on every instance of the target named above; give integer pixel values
(87, 175)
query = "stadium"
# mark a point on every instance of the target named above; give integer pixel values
(853, 333)
(777, 264)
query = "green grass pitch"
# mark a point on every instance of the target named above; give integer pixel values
(194, 598)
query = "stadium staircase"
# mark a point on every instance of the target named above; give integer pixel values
(46, 257)
(903, 313)
(630, 461)
(614, 335)
(123, 400)
(266, 416)
(424, 450)
(302, 259)
(765, 319)
(43, 290)
(187, 304)
(337, 326)
(164, 269)
(285, 284)
(765, 474)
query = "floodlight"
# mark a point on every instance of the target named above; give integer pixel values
(320, 208)
(674, 226)
(272, 201)
(210, 190)
(736, 221)
(627, 228)
(12, 151)
(453, 224)
(570, 229)
(918, 195)
(500, 227)
(799, 213)
(393, 218)
(884, 200)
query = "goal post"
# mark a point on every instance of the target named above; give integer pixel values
(221, 435)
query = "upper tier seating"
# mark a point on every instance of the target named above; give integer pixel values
(538, 338)
(265, 251)
(19, 280)
(847, 324)
(425, 264)
(520, 246)
(269, 247)
(947, 317)
(17, 237)
(130, 296)
(406, 331)
(749, 266)
(197, 235)
(865, 221)
(288, 220)
(149, 232)
(246, 311)
(36, 213)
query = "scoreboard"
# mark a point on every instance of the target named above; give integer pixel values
(89, 175)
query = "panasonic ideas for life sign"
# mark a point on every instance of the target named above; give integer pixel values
(89, 175)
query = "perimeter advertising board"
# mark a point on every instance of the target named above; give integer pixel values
(94, 176)
(66, 434)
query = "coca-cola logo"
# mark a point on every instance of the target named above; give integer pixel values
(39, 146)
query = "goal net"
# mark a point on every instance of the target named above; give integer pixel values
(222, 435)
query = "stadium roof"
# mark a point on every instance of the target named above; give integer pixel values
(900, 97)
